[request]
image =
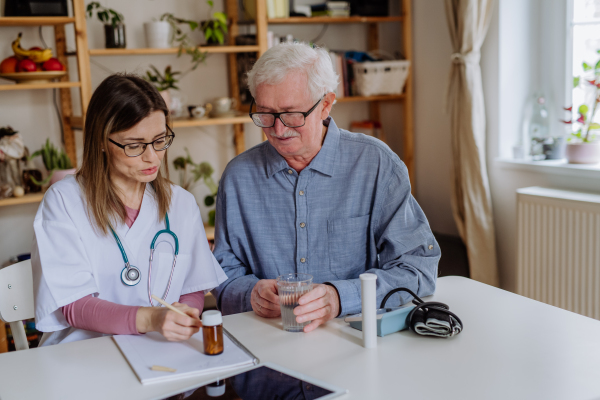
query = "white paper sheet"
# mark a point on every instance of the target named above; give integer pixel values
(188, 358)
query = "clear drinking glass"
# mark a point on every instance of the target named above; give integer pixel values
(290, 288)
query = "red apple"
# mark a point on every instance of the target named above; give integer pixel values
(9, 65)
(53, 65)
(35, 48)
(26, 66)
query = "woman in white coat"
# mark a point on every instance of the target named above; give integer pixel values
(93, 267)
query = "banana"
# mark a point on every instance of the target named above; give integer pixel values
(37, 56)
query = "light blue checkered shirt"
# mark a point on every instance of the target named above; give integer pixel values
(350, 211)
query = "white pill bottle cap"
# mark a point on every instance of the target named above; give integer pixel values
(212, 318)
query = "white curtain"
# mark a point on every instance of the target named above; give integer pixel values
(468, 21)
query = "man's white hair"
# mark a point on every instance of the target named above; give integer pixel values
(280, 60)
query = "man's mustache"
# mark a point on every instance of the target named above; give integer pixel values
(287, 134)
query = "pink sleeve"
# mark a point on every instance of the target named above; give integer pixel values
(194, 300)
(93, 314)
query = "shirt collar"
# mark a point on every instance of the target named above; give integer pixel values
(323, 162)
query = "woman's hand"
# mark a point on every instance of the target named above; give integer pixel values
(173, 326)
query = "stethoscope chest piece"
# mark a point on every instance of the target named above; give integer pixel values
(131, 275)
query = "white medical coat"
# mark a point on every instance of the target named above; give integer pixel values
(71, 260)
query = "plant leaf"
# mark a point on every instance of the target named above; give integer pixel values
(586, 66)
(594, 125)
(576, 80)
(219, 36)
(583, 109)
(220, 17)
(210, 3)
(208, 33)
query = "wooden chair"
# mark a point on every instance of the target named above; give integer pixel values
(16, 300)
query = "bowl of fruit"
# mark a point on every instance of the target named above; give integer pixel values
(31, 66)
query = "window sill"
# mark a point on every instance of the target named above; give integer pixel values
(556, 167)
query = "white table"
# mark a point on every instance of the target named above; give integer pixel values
(511, 348)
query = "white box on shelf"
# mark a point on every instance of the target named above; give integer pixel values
(380, 77)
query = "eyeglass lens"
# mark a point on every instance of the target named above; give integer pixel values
(291, 120)
(136, 149)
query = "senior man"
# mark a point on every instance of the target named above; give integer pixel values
(315, 199)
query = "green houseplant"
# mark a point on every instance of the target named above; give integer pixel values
(57, 162)
(163, 82)
(215, 28)
(189, 175)
(583, 146)
(183, 41)
(114, 28)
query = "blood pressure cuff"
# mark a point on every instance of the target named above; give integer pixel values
(435, 322)
(429, 318)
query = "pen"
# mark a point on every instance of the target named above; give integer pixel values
(170, 307)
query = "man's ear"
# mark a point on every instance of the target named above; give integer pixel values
(327, 104)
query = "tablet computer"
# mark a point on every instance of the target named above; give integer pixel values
(261, 382)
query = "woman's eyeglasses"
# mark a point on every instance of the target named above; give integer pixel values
(137, 149)
(294, 119)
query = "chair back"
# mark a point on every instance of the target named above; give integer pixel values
(16, 299)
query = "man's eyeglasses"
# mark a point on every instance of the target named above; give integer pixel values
(294, 119)
(137, 149)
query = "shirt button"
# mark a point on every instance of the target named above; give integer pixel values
(302, 193)
(430, 247)
(290, 171)
(303, 260)
(302, 224)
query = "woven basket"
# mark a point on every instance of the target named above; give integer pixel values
(380, 77)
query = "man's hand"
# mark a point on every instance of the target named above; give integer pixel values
(319, 305)
(264, 299)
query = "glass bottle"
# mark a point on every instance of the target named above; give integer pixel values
(537, 127)
(212, 332)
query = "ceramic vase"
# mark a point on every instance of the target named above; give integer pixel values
(158, 34)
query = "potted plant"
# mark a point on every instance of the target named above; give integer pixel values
(114, 29)
(56, 162)
(188, 178)
(163, 83)
(583, 146)
(215, 28)
(181, 38)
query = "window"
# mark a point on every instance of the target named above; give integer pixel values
(585, 34)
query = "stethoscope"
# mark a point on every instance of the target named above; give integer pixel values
(131, 275)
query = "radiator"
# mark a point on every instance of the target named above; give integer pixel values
(559, 248)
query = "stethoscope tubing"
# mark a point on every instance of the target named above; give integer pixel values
(129, 267)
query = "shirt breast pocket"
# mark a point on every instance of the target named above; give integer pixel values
(161, 272)
(347, 239)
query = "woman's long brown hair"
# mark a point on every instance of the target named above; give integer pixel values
(118, 104)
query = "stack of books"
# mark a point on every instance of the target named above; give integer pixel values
(278, 8)
(331, 9)
(338, 8)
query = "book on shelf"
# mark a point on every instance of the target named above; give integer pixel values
(342, 65)
(278, 8)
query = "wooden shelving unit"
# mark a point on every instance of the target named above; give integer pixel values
(78, 20)
(31, 86)
(207, 49)
(27, 199)
(190, 122)
(406, 99)
(35, 21)
(350, 99)
(334, 20)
